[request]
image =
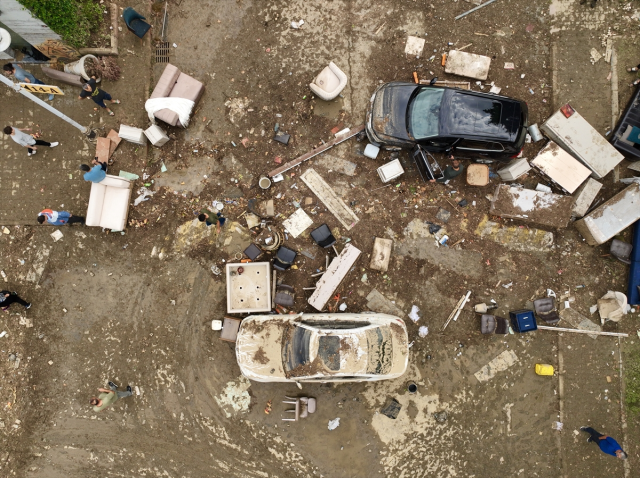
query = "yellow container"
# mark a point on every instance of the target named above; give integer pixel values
(544, 369)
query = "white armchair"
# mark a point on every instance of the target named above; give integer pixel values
(329, 83)
(109, 203)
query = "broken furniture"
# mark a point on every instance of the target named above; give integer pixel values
(253, 252)
(323, 237)
(329, 198)
(491, 324)
(538, 207)
(135, 23)
(262, 208)
(523, 320)
(612, 306)
(230, 327)
(390, 171)
(381, 254)
(109, 203)
(628, 120)
(391, 409)
(248, 287)
(584, 197)
(334, 275)
(105, 147)
(285, 295)
(546, 309)
(612, 217)
(621, 250)
(269, 239)
(175, 84)
(132, 134)
(302, 407)
(477, 174)
(284, 258)
(575, 135)
(156, 135)
(560, 167)
(514, 169)
(329, 83)
(427, 165)
(68, 78)
(467, 64)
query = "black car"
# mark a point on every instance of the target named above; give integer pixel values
(477, 125)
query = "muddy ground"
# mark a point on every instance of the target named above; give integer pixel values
(136, 308)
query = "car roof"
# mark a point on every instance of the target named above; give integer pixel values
(479, 115)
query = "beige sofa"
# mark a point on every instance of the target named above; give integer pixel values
(175, 84)
(109, 203)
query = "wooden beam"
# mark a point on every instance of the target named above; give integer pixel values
(315, 152)
(576, 331)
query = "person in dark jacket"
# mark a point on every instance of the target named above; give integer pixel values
(91, 90)
(7, 298)
(450, 172)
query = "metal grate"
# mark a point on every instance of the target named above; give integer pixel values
(162, 52)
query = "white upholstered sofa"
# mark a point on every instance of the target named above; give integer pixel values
(109, 203)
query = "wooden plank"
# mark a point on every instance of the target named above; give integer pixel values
(115, 141)
(103, 146)
(317, 151)
(576, 331)
(331, 279)
(381, 254)
(329, 198)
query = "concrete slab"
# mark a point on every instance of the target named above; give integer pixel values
(336, 164)
(499, 364)
(579, 321)
(297, 222)
(381, 254)
(377, 302)
(538, 207)
(189, 179)
(515, 237)
(414, 46)
(467, 64)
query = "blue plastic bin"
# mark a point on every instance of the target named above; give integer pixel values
(523, 320)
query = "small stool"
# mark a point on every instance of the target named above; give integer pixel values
(478, 175)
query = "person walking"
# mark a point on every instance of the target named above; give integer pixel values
(22, 76)
(96, 173)
(211, 218)
(58, 218)
(26, 140)
(451, 171)
(109, 397)
(607, 444)
(7, 298)
(91, 90)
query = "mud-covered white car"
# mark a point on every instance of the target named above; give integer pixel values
(322, 347)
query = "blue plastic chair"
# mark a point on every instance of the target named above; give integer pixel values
(135, 22)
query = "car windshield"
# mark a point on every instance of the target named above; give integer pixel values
(380, 350)
(295, 349)
(424, 113)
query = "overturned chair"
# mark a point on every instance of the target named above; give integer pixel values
(285, 296)
(303, 406)
(135, 23)
(329, 83)
(323, 237)
(284, 258)
(490, 324)
(546, 310)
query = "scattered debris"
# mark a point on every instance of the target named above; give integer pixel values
(333, 424)
(391, 409)
(413, 315)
